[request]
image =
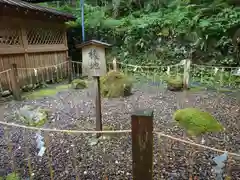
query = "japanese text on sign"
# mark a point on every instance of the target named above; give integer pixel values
(94, 59)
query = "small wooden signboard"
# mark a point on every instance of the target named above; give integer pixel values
(94, 65)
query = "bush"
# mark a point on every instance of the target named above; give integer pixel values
(196, 121)
(175, 83)
(79, 84)
(115, 84)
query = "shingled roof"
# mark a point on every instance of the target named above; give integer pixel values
(37, 1)
(28, 7)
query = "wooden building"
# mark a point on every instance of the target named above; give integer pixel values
(32, 37)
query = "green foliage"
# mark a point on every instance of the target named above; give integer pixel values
(164, 32)
(11, 176)
(175, 83)
(115, 84)
(79, 84)
(197, 122)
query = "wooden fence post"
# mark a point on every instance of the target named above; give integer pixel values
(15, 82)
(69, 70)
(187, 66)
(142, 145)
(115, 64)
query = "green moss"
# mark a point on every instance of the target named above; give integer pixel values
(197, 122)
(175, 83)
(115, 84)
(41, 93)
(63, 87)
(13, 176)
(79, 84)
(46, 92)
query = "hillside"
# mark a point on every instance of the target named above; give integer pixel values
(163, 32)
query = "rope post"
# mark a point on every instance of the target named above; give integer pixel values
(98, 106)
(187, 65)
(142, 144)
(69, 70)
(15, 82)
(115, 64)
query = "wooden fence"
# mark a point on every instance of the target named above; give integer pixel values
(191, 73)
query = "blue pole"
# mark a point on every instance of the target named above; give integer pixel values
(83, 28)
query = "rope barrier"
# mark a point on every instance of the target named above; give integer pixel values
(220, 67)
(196, 144)
(173, 65)
(116, 132)
(45, 67)
(137, 66)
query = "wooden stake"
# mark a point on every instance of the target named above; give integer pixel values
(142, 145)
(114, 64)
(15, 83)
(98, 106)
(69, 70)
(186, 74)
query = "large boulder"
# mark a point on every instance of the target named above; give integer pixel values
(175, 83)
(115, 84)
(33, 116)
(79, 84)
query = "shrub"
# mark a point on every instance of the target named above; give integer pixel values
(79, 84)
(196, 121)
(115, 84)
(175, 83)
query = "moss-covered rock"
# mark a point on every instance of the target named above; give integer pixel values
(115, 84)
(175, 83)
(33, 116)
(197, 122)
(79, 84)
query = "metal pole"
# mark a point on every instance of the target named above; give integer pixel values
(83, 28)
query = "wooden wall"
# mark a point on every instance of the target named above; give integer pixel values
(32, 45)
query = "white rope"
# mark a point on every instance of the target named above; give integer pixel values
(173, 65)
(115, 132)
(77, 62)
(5, 71)
(137, 66)
(196, 144)
(219, 67)
(45, 67)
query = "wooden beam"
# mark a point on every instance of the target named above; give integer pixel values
(32, 49)
(11, 50)
(46, 48)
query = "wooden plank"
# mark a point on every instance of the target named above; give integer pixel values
(32, 49)
(46, 48)
(142, 145)
(12, 50)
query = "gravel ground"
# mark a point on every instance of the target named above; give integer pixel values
(72, 155)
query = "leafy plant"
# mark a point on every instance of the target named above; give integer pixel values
(165, 30)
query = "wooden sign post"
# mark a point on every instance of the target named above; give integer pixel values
(94, 65)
